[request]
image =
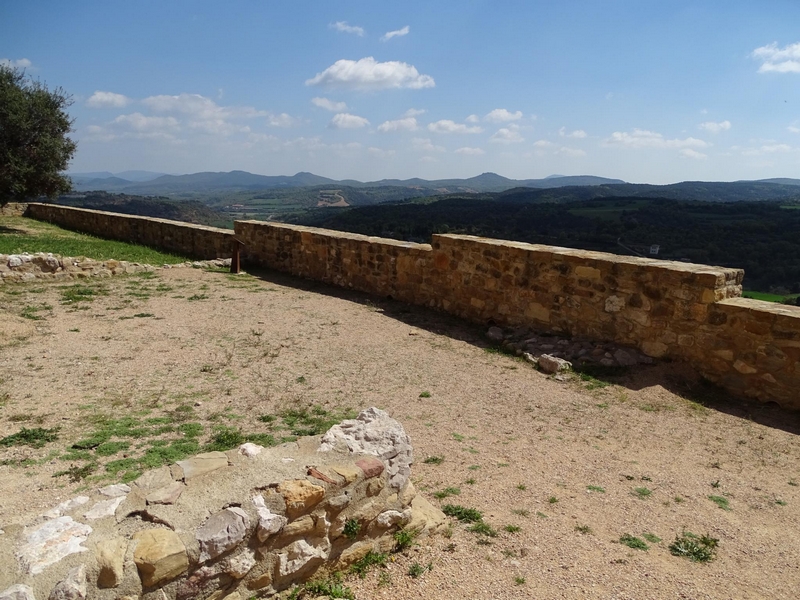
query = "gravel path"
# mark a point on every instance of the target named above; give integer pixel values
(515, 444)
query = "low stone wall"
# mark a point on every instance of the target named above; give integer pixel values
(665, 309)
(195, 241)
(225, 525)
(21, 268)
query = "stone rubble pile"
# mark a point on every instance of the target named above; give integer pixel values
(19, 268)
(557, 350)
(225, 525)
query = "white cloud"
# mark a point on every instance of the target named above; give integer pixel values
(200, 107)
(20, 63)
(107, 100)
(139, 122)
(793, 128)
(507, 135)
(713, 127)
(501, 115)
(572, 152)
(343, 27)
(425, 145)
(380, 152)
(347, 121)
(641, 138)
(466, 150)
(778, 60)
(448, 126)
(396, 33)
(473, 119)
(542, 144)
(281, 120)
(369, 74)
(577, 134)
(414, 112)
(329, 104)
(407, 124)
(768, 148)
(694, 154)
(428, 159)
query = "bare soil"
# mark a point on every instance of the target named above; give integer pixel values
(521, 447)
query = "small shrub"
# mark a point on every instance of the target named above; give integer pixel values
(416, 570)
(552, 500)
(596, 488)
(351, 528)
(331, 587)
(434, 460)
(425, 394)
(512, 528)
(642, 492)
(522, 487)
(404, 539)
(695, 548)
(519, 580)
(584, 529)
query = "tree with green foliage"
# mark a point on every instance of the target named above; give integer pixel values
(34, 144)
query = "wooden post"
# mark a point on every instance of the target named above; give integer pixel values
(236, 266)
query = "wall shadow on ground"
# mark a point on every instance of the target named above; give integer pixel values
(679, 378)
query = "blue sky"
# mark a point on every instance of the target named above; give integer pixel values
(647, 91)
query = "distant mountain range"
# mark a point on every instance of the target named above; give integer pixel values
(149, 183)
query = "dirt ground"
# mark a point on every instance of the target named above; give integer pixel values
(553, 465)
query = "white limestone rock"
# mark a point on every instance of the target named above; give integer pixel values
(18, 592)
(221, 532)
(66, 507)
(374, 432)
(250, 450)
(268, 522)
(73, 587)
(116, 490)
(50, 542)
(553, 364)
(299, 555)
(241, 564)
(104, 508)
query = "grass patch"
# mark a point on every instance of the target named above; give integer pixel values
(35, 438)
(425, 395)
(351, 528)
(512, 528)
(332, 587)
(463, 514)
(446, 493)
(633, 542)
(584, 529)
(482, 528)
(696, 548)
(596, 488)
(36, 236)
(642, 492)
(652, 538)
(434, 460)
(80, 292)
(372, 559)
(720, 501)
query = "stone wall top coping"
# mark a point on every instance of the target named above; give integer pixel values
(137, 217)
(331, 233)
(669, 265)
(774, 308)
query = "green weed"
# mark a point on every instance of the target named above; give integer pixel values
(695, 548)
(633, 542)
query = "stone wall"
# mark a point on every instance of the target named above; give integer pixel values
(230, 525)
(665, 309)
(195, 241)
(13, 209)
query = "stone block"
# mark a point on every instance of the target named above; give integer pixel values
(72, 587)
(202, 464)
(160, 556)
(221, 532)
(300, 496)
(110, 555)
